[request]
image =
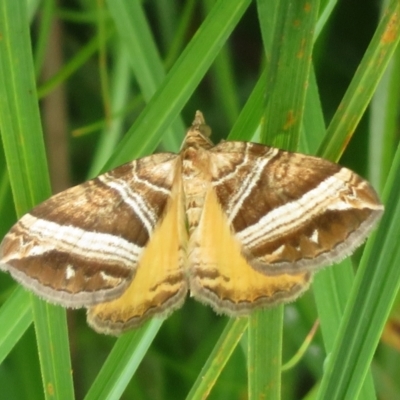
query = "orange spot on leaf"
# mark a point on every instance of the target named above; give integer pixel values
(290, 120)
(392, 29)
(300, 53)
(50, 389)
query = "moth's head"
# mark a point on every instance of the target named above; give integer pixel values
(198, 134)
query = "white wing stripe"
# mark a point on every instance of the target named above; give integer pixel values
(236, 201)
(49, 235)
(133, 200)
(291, 215)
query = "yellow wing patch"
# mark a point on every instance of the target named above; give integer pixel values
(159, 286)
(221, 277)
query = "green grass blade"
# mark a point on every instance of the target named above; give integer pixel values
(363, 85)
(218, 358)
(223, 80)
(120, 82)
(326, 9)
(122, 362)
(288, 72)
(384, 113)
(163, 108)
(26, 160)
(250, 117)
(15, 318)
(47, 12)
(17, 95)
(178, 43)
(53, 345)
(146, 63)
(265, 353)
(253, 109)
(369, 304)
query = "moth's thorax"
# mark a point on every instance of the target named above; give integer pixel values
(195, 175)
(196, 138)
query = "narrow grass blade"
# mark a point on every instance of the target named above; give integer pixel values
(288, 72)
(265, 353)
(53, 346)
(290, 61)
(26, 160)
(122, 362)
(218, 358)
(250, 117)
(384, 123)
(119, 88)
(364, 83)
(15, 318)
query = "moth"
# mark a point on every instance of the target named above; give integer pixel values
(238, 225)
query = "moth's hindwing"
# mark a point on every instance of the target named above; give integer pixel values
(160, 285)
(222, 277)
